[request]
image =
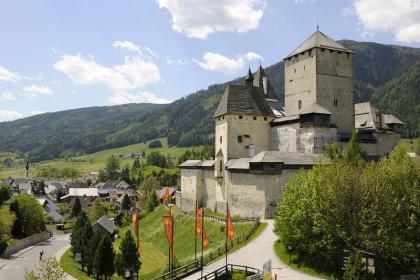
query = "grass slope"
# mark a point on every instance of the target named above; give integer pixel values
(154, 256)
(88, 163)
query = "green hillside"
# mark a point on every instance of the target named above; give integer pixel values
(188, 121)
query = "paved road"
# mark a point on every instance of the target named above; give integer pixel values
(255, 254)
(14, 268)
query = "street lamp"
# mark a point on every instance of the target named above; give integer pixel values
(127, 274)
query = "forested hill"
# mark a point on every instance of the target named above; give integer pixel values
(385, 74)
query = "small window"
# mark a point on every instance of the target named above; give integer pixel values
(335, 102)
(337, 63)
(239, 139)
(331, 51)
(304, 67)
(220, 166)
(310, 52)
(265, 118)
(322, 50)
(300, 104)
(220, 139)
(348, 56)
(296, 56)
(223, 117)
(255, 118)
(240, 117)
(339, 52)
(295, 70)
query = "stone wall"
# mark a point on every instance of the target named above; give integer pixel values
(25, 243)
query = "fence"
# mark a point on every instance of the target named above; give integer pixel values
(222, 220)
(25, 243)
(181, 272)
(226, 271)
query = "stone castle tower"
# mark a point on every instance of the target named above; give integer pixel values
(321, 71)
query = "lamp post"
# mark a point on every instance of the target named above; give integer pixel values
(127, 274)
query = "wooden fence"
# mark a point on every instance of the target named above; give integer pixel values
(225, 272)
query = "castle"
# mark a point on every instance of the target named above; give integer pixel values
(259, 145)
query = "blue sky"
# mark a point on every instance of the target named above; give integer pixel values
(58, 55)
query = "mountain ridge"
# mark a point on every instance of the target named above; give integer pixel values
(188, 121)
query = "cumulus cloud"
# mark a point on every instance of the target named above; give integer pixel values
(8, 115)
(143, 97)
(217, 62)
(8, 76)
(176, 61)
(401, 17)
(199, 18)
(37, 90)
(137, 71)
(6, 96)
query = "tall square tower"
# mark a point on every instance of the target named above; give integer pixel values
(321, 71)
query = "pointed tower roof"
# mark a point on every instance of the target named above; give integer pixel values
(258, 82)
(249, 75)
(318, 40)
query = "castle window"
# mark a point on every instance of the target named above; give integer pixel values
(220, 166)
(348, 55)
(335, 102)
(337, 63)
(310, 52)
(296, 56)
(295, 70)
(303, 67)
(240, 117)
(220, 139)
(239, 139)
(255, 118)
(331, 51)
(265, 118)
(339, 52)
(223, 117)
(300, 104)
(322, 50)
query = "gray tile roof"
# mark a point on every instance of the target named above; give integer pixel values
(391, 119)
(106, 224)
(160, 193)
(314, 108)
(258, 82)
(320, 40)
(287, 158)
(197, 163)
(123, 185)
(243, 100)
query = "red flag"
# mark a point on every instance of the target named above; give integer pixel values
(167, 225)
(171, 210)
(229, 226)
(138, 247)
(197, 220)
(135, 220)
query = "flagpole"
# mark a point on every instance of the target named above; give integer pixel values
(172, 243)
(195, 231)
(226, 228)
(202, 240)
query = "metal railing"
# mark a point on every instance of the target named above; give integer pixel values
(223, 220)
(226, 271)
(181, 272)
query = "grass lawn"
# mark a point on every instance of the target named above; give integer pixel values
(292, 261)
(91, 162)
(411, 144)
(154, 246)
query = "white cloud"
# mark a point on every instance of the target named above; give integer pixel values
(130, 46)
(7, 115)
(37, 112)
(199, 18)
(176, 61)
(8, 76)
(37, 90)
(305, 1)
(135, 72)
(143, 97)
(217, 62)
(401, 17)
(6, 96)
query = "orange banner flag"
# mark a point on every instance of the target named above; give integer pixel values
(171, 210)
(197, 219)
(205, 240)
(138, 247)
(135, 220)
(167, 225)
(229, 226)
(166, 197)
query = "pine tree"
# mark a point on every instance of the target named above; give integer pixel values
(82, 232)
(103, 262)
(353, 152)
(89, 257)
(136, 165)
(77, 207)
(125, 175)
(98, 209)
(127, 259)
(152, 202)
(112, 167)
(126, 203)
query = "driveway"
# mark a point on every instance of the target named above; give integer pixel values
(14, 268)
(255, 254)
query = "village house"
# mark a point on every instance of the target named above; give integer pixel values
(259, 145)
(104, 226)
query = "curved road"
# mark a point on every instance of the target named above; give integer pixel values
(255, 254)
(14, 268)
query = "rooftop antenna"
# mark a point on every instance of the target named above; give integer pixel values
(317, 24)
